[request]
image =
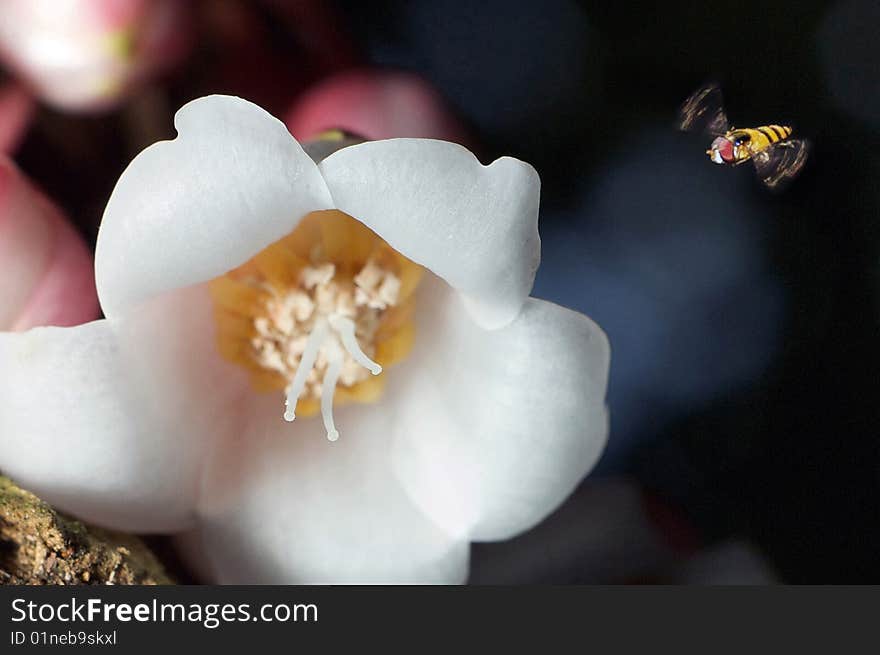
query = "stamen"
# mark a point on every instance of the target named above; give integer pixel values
(328, 389)
(308, 313)
(306, 363)
(345, 328)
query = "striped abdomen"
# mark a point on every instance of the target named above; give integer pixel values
(766, 135)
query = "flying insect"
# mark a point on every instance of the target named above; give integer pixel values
(777, 157)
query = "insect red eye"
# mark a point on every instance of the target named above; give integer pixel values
(724, 148)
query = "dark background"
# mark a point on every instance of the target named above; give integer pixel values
(744, 325)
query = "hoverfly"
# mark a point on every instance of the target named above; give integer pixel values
(777, 158)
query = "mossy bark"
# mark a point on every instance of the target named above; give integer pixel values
(40, 546)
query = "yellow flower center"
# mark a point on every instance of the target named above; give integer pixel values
(318, 311)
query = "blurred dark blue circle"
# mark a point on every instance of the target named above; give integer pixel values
(669, 254)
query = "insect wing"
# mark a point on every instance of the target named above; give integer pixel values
(704, 111)
(780, 163)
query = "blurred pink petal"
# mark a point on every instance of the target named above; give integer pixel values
(375, 105)
(46, 271)
(115, 14)
(88, 54)
(16, 111)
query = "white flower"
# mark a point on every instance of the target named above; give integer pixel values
(483, 428)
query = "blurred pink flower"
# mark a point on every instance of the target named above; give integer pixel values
(46, 274)
(375, 105)
(87, 54)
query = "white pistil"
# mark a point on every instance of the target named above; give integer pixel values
(345, 328)
(315, 344)
(317, 326)
(306, 363)
(328, 388)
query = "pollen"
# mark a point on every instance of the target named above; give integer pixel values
(318, 315)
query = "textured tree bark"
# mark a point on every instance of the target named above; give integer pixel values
(40, 546)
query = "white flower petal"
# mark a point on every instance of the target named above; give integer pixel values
(473, 225)
(521, 417)
(187, 210)
(110, 420)
(281, 504)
